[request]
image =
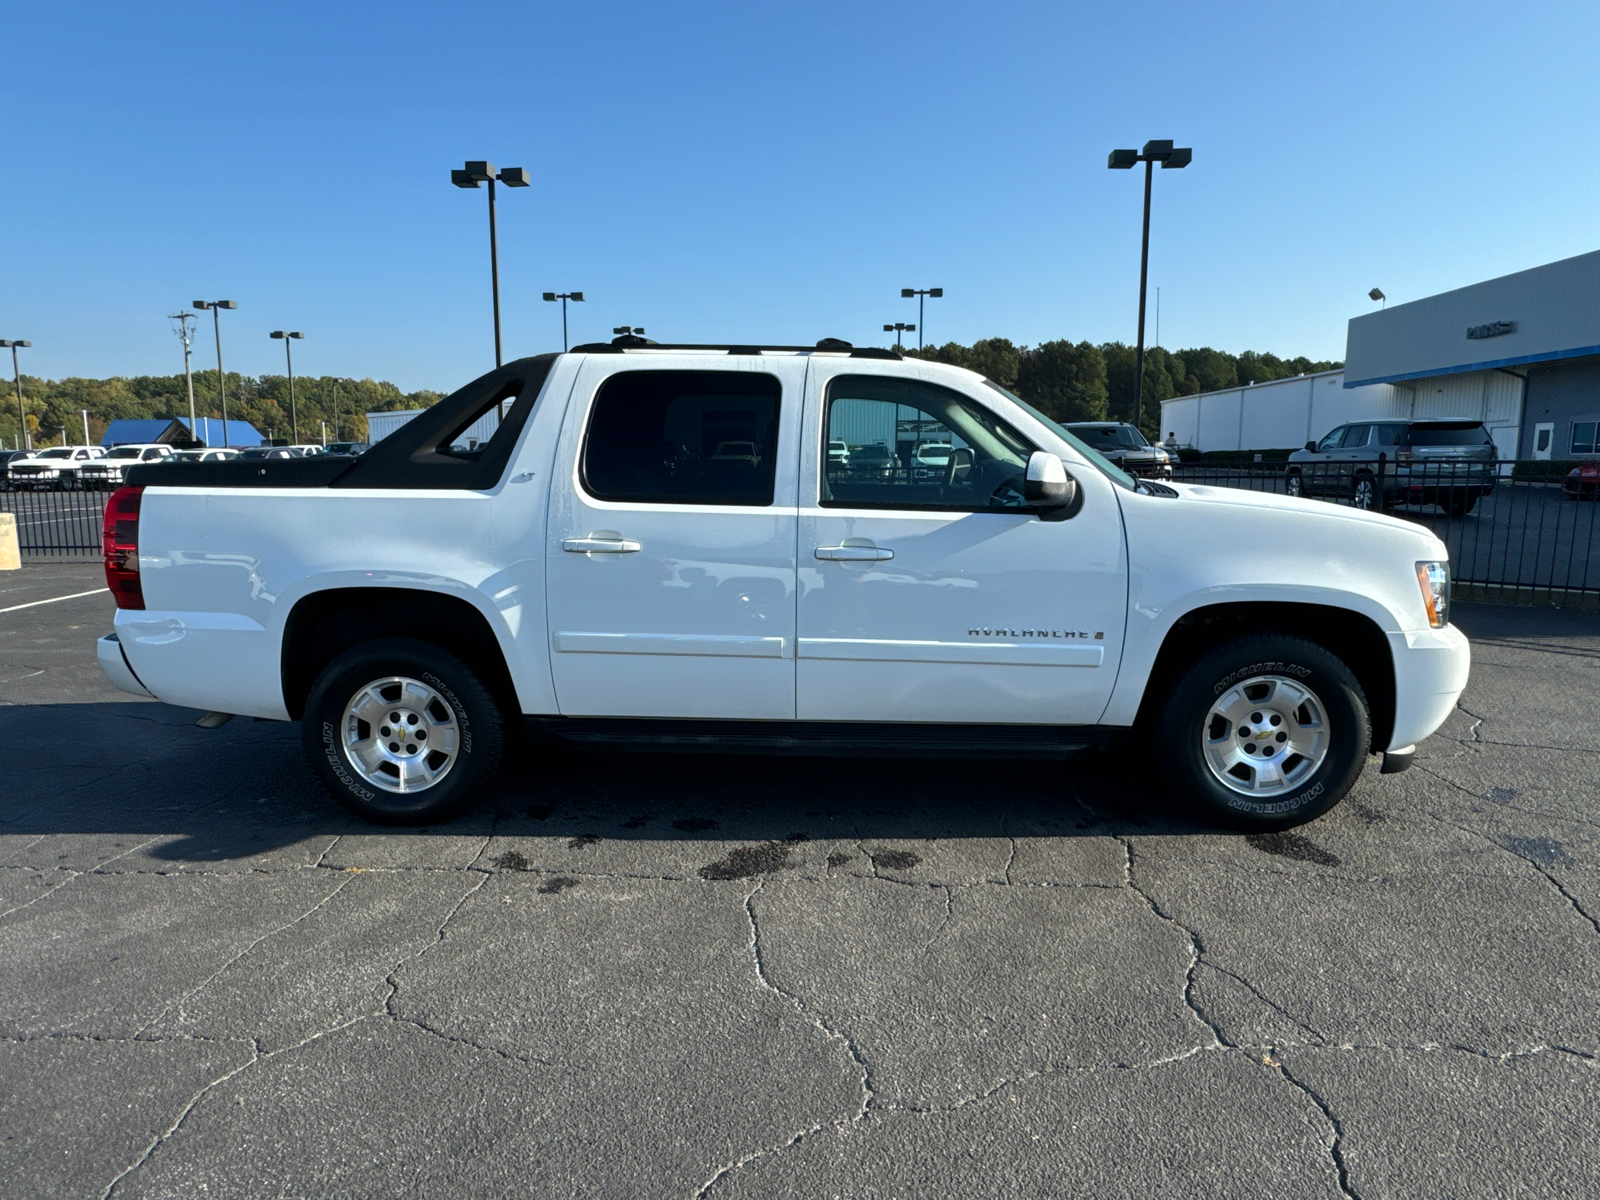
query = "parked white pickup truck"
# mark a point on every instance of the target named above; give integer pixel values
(601, 566)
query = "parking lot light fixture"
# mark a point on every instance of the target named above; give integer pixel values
(575, 297)
(216, 307)
(898, 328)
(294, 419)
(24, 439)
(1163, 152)
(471, 176)
(921, 294)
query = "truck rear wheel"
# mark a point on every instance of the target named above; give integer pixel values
(1266, 732)
(401, 732)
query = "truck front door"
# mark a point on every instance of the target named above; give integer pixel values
(670, 557)
(946, 599)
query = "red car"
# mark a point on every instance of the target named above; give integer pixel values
(1583, 481)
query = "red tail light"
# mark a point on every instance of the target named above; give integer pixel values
(120, 541)
(1402, 453)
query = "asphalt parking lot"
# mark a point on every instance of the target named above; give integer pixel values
(634, 975)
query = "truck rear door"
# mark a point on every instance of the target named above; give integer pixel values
(670, 556)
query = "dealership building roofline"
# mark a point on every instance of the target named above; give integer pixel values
(1543, 315)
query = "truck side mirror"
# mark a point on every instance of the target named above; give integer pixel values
(1311, 445)
(1047, 484)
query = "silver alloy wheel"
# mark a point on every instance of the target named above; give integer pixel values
(1294, 484)
(400, 734)
(1364, 491)
(1265, 736)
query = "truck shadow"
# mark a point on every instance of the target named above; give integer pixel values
(142, 774)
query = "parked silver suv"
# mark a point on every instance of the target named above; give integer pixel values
(1382, 463)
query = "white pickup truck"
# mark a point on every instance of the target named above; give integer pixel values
(599, 568)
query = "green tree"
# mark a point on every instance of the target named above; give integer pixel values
(1063, 380)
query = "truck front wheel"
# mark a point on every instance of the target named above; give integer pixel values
(401, 732)
(1266, 732)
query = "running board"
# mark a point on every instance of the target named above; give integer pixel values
(825, 737)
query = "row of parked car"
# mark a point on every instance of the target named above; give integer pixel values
(1122, 444)
(72, 468)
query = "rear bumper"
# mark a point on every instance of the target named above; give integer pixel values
(115, 665)
(1430, 673)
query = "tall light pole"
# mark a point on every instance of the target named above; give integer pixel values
(186, 336)
(294, 417)
(484, 172)
(1377, 294)
(898, 328)
(920, 294)
(1121, 160)
(216, 307)
(16, 375)
(576, 297)
(85, 413)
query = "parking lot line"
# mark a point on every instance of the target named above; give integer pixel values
(53, 600)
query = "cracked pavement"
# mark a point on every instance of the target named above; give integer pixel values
(722, 976)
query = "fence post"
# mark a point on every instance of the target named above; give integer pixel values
(10, 551)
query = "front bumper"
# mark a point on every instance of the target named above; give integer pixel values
(1430, 673)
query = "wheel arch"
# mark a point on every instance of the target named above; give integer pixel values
(324, 624)
(1354, 637)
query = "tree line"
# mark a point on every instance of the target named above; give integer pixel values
(1070, 381)
(54, 405)
(1082, 381)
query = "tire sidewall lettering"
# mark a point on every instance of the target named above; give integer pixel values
(330, 742)
(1262, 668)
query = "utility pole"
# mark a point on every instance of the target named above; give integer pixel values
(25, 439)
(85, 413)
(186, 336)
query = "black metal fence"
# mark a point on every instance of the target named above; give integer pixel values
(1515, 531)
(57, 525)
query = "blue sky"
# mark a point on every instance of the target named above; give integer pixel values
(720, 171)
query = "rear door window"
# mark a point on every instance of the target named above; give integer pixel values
(1390, 435)
(684, 437)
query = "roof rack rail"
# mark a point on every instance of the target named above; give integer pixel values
(618, 345)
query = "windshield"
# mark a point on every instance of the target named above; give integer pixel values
(1106, 467)
(1111, 437)
(57, 453)
(123, 452)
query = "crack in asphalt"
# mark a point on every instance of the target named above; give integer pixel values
(1196, 947)
(868, 1091)
(1336, 1141)
(48, 892)
(1322, 1038)
(220, 971)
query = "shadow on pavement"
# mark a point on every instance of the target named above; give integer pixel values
(139, 771)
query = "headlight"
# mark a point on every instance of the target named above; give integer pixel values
(1434, 580)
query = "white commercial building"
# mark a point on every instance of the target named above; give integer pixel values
(381, 424)
(1520, 353)
(1287, 413)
